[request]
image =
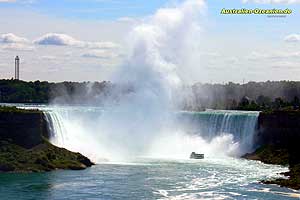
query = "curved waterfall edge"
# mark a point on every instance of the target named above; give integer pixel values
(232, 133)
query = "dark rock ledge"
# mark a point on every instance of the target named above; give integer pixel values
(24, 145)
(278, 156)
(278, 138)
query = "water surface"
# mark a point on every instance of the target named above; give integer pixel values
(151, 179)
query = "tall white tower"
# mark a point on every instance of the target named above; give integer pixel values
(17, 68)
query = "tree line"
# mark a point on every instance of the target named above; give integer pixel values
(17, 91)
(249, 96)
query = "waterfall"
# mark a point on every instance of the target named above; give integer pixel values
(156, 47)
(210, 124)
(87, 130)
(76, 129)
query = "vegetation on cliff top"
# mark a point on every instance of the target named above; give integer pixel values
(286, 111)
(13, 109)
(268, 105)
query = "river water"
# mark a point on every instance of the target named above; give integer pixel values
(140, 173)
(151, 179)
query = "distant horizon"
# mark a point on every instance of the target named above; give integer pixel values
(100, 81)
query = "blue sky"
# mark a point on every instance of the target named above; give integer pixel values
(90, 9)
(95, 33)
(113, 9)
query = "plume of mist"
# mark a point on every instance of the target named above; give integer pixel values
(155, 49)
(157, 46)
(142, 122)
(86, 93)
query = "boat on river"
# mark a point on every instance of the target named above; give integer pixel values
(196, 156)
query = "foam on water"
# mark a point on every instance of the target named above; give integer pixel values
(151, 179)
(89, 130)
(233, 174)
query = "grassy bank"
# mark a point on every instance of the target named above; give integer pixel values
(43, 157)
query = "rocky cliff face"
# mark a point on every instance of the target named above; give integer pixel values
(279, 127)
(25, 129)
(278, 140)
(24, 145)
(282, 130)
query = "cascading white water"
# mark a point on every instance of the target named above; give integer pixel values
(239, 125)
(215, 133)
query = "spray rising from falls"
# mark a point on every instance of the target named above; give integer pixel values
(215, 133)
(142, 122)
(155, 48)
(236, 129)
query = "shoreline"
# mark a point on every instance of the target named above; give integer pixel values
(277, 156)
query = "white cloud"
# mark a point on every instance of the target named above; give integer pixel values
(48, 58)
(102, 54)
(292, 38)
(10, 41)
(7, 1)
(256, 56)
(232, 60)
(272, 1)
(58, 39)
(69, 60)
(127, 19)
(210, 54)
(285, 65)
(12, 38)
(17, 47)
(100, 45)
(18, 1)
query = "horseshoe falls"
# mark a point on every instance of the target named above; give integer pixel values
(94, 132)
(239, 126)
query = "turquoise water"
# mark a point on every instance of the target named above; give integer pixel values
(135, 174)
(150, 179)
